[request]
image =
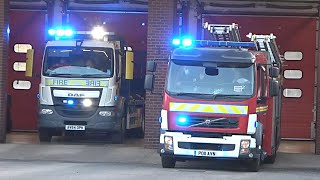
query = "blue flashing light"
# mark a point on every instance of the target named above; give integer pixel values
(8, 30)
(176, 42)
(256, 124)
(70, 102)
(68, 32)
(52, 32)
(187, 42)
(182, 120)
(61, 32)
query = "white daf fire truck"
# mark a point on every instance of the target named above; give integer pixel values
(85, 86)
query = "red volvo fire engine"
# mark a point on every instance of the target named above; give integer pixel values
(221, 100)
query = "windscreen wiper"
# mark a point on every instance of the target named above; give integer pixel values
(238, 96)
(194, 95)
(65, 75)
(96, 75)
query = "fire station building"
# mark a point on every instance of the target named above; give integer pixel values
(148, 26)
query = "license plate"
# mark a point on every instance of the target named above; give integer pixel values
(204, 153)
(75, 127)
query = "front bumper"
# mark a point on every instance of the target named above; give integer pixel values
(188, 147)
(94, 123)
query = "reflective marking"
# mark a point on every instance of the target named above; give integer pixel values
(209, 108)
(261, 109)
(76, 82)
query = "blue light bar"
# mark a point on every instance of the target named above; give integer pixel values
(52, 32)
(61, 32)
(68, 32)
(187, 42)
(176, 42)
(226, 43)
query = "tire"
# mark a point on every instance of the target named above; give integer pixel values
(44, 136)
(271, 159)
(254, 165)
(141, 130)
(168, 162)
(118, 137)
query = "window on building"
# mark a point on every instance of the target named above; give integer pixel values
(22, 48)
(20, 66)
(292, 93)
(21, 84)
(293, 56)
(293, 74)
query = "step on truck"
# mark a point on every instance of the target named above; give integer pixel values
(86, 85)
(220, 101)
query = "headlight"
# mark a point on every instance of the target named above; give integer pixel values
(87, 103)
(168, 143)
(244, 146)
(46, 111)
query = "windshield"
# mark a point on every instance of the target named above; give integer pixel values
(81, 62)
(224, 81)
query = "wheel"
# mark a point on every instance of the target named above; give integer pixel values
(141, 130)
(271, 159)
(44, 136)
(168, 162)
(254, 165)
(118, 137)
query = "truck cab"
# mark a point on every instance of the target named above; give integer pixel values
(85, 87)
(215, 102)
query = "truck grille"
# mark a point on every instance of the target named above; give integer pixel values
(213, 122)
(206, 146)
(77, 110)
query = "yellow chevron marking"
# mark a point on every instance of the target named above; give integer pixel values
(181, 107)
(194, 107)
(208, 109)
(222, 109)
(235, 109)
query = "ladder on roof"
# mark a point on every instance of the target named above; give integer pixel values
(267, 43)
(223, 32)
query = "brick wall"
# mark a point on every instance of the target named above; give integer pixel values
(161, 21)
(4, 9)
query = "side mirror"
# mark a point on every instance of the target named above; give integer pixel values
(151, 66)
(149, 82)
(274, 88)
(274, 72)
(129, 65)
(29, 62)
